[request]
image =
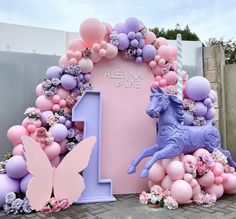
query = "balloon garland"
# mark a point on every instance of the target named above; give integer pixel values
(49, 122)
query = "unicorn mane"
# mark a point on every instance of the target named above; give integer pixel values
(178, 106)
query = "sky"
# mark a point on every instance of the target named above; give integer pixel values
(207, 18)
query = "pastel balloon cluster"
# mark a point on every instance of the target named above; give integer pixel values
(179, 176)
(198, 90)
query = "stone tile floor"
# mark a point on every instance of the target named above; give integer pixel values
(128, 207)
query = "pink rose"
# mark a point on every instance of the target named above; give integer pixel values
(46, 210)
(56, 207)
(64, 204)
(53, 202)
(143, 198)
(156, 189)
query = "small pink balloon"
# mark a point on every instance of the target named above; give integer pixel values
(225, 177)
(218, 190)
(15, 133)
(230, 184)
(43, 103)
(157, 71)
(76, 45)
(63, 61)
(155, 84)
(200, 152)
(190, 158)
(164, 52)
(111, 51)
(96, 47)
(161, 41)
(85, 65)
(63, 93)
(70, 54)
(95, 57)
(103, 44)
(158, 78)
(18, 150)
(207, 179)
(166, 182)
(55, 107)
(181, 191)
(28, 121)
(53, 150)
(156, 173)
(102, 52)
(196, 189)
(62, 103)
(31, 128)
(175, 170)
(162, 62)
(162, 82)
(56, 161)
(218, 169)
(188, 177)
(150, 37)
(193, 183)
(39, 90)
(157, 58)
(73, 61)
(170, 77)
(218, 180)
(78, 55)
(152, 64)
(174, 52)
(56, 99)
(165, 163)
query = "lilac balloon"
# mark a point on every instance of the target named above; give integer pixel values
(139, 59)
(131, 35)
(138, 36)
(139, 52)
(24, 182)
(141, 43)
(149, 52)
(198, 88)
(87, 77)
(200, 109)
(7, 185)
(62, 119)
(68, 124)
(188, 118)
(207, 101)
(123, 41)
(68, 82)
(132, 24)
(53, 72)
(16, 167)
(80, 84)
(210, 113)
(44, 116)
(213, 96)
(59, 132)
(134, 43)
(119, 28)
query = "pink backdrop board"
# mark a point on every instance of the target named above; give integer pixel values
(126, 128)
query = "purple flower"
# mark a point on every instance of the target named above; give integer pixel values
(72, 69)
(79, 137)
(114, 38)
(48, 93)
(46, 84)
(7, 209)
(16, 204)
(56, 81)
(26, 208)
(10, 197)
(70, 145)
(71, 133)
(143, 198)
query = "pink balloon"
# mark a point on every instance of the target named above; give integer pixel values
(218, 190)
(230, 184)
(63, 93)
(174, 52)
(190, 158)
(39, 90)
(166, 182)
(157, 58)
(158, 78)
(62, 103)
(162, 62)
(56, 161)
(161, 41)
(92, 31)
(73, 61)
(150, 184)
(31, 128)
(85, 65)
(150, 37)
(43, 103)
(63, 61)
(218, 180)
(170, 77)
(193, 183)
(18, 150)
(165, 162)
(15, 133)
(53, 150)
(55, 107)
(96, 47)
(63, 147)
(218, 169)
(196, 189)
(112, 51)
(152, 64)
(76, 45)
(165, 52)
(156, 173)
(157, 71)
(78, 55)
(155, 84)
(102, 52)
(175, 170)
(207, 179)
(181, 191)
(95, 57)
(199, 152)
(56, 99)
(28, 121)
(162, 82)
(70, 54)
(188, 177)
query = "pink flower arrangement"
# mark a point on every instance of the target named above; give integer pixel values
(229, 169)
(190, 167)
(43, 136)
(143, 198)
(219, 157)
(204, 198)
(54, 205)
(204, 164)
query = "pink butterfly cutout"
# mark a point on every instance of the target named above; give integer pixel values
(65, 180)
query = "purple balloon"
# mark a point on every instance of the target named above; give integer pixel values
(16, 167)
(210, 113)
(138, 36)
(213, 96)
(188, 118)
(119, 28)
(139, 59)
(132, 24)
(123, 41)
(81, 76)
(198, 88)
(68, 124)
(141, 43)
(62, 119)
(134, 43)
(131, 35)
(44, 116)
(139, 52)
(24, 182)
(149, 52)
(87, 77)
(53, 72)
(207, 101)
(7, 185)
(200, 109)
(59, 132)
(68, 82)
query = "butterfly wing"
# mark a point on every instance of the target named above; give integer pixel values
(40, 187)
(68, 183)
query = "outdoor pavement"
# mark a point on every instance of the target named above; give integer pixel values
(128, 207)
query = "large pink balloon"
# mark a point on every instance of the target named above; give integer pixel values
(200, 152)
(85, 65)
(76, 45)
(196, 189)
(170, 77)
(156, 173)
(190, 158)
(53, 150)
(43, 103)
(150, 37)
(39, 90)
(218, 190)
(15, 133)
(166, 182)
(92, 31)
(175, 170)
(230, 184)
(161, 41)
(165, 52)
(174, 52)
(112, 51)
(207, 179)
(181, 191)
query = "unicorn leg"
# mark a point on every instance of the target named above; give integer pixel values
(168, 152)
(149, 151)
(229, 157)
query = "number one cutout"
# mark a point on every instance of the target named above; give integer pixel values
(88, 110)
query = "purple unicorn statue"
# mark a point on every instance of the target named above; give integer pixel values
(173, 137)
